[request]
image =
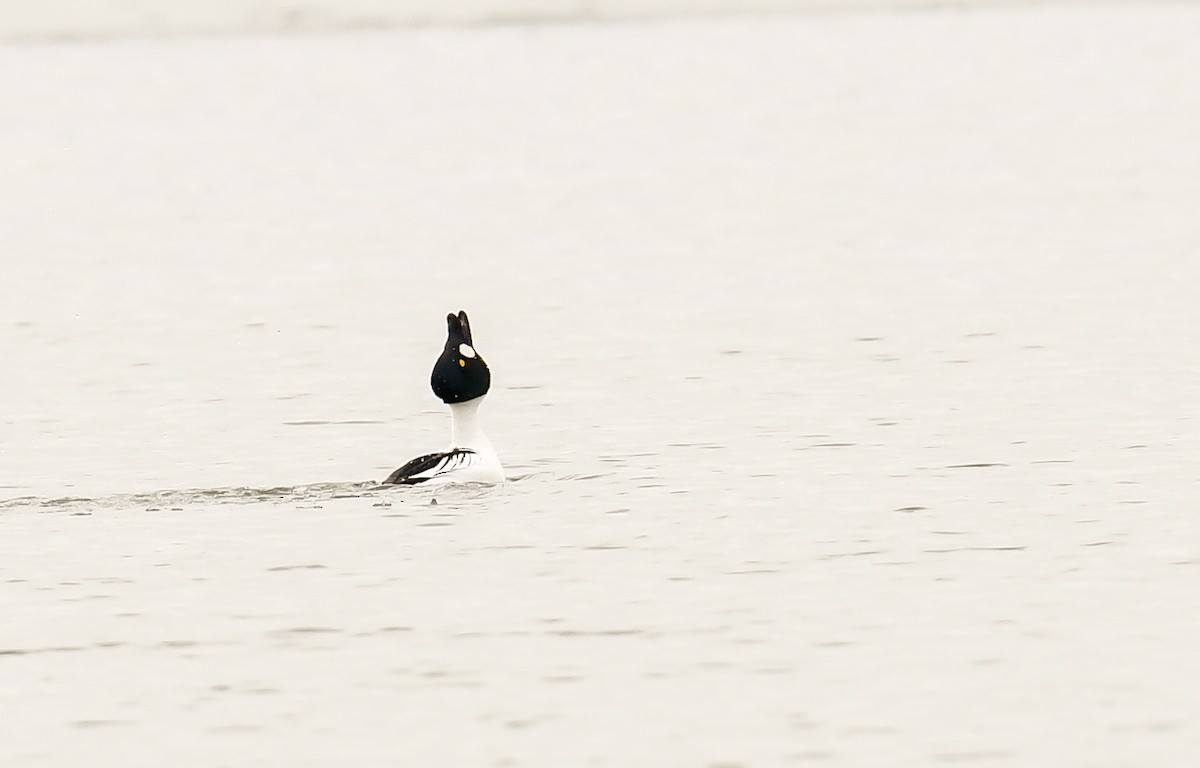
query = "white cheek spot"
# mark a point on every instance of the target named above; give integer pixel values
(465, 350)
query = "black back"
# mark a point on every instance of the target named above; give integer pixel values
(459, 377)
(425, 467)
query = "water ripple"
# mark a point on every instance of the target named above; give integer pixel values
(176, 500)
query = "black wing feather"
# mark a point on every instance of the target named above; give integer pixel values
(407, 475)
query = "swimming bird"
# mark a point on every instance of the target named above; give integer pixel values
(460, 379)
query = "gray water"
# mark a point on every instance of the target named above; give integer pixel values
(846, 365)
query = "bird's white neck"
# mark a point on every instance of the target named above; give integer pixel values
(465, 431)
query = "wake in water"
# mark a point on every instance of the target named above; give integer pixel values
(178, 499)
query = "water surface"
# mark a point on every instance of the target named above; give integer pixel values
(847, 364)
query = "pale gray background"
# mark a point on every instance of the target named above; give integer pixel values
(848, 361)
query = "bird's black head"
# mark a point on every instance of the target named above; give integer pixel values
(460, 373)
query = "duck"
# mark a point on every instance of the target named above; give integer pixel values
(460, 379)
